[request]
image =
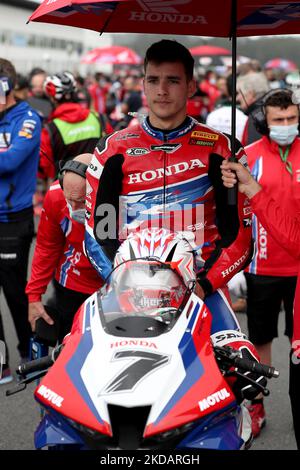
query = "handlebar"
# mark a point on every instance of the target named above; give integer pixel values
(258, 368)
(39, 364)
(232, 357)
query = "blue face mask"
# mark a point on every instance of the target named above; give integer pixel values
(283, 135)
(78, 215)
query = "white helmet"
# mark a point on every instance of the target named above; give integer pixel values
(59, 85)
(159, 243)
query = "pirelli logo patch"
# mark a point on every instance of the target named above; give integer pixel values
(204, 135)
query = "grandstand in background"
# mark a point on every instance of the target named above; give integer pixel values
(51, 47)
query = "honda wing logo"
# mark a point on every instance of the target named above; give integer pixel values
(271, 16)
(142, 363)
(162, 6)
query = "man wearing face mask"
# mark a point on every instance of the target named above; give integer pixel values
(274, 161)
(59, 250)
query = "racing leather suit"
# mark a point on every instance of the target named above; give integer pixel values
(152, 175)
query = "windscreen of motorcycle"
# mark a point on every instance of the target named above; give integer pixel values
(142, 288)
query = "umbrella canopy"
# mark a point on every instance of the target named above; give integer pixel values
(112, 55)
(218, 18)
(283, 64)
(209, 50)
(193, 17)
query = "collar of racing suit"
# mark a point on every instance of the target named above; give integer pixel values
(164, 135)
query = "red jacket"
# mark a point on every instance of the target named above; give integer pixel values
(264, 160)
(59, 251)
(84, 139)
(286, 231)
(171, 179)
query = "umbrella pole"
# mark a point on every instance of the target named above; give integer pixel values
(232, 192)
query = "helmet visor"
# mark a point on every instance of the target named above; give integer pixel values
(144, 288)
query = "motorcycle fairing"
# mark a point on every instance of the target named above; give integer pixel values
(64, 379)
(92, 359)
(198, 358)
(53, 430)
(219, 431)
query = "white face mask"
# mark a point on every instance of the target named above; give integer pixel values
(284, 135)
(78, 215)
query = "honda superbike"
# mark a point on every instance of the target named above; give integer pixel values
(139, 371)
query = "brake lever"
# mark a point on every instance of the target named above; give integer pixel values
(23, 383)
(265, 391)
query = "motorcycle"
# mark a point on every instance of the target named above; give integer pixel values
(139, 371)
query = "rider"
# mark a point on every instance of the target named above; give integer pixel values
(165, 170)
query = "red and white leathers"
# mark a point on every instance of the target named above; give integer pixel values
(159, 176)
(265, 163)
(59, 250)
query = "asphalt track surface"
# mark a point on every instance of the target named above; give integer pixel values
(19, 414)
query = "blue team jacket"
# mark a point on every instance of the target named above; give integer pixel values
(20, 131)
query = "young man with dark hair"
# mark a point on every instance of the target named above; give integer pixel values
(167, 170)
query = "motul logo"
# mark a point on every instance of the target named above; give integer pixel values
(133, 342)
(151, 175)
(213, 399)
(50, 396)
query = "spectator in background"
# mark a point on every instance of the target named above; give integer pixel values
(59, 250)
(220, 118)
(132, 100)
(21, 90)
(82, 94)
(274, 79)
(70, 129)
(37, 98)
(20, 130)
(250, 88)
(209, 86)
(222, 85)
(98, 90)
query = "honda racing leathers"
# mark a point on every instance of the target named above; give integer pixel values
(144, 176)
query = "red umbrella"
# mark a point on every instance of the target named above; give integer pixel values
(283, 64)
(193, 17)
(112, 55)
(219, 18)
(208, 50)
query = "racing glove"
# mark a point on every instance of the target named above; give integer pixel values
(237, 379)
